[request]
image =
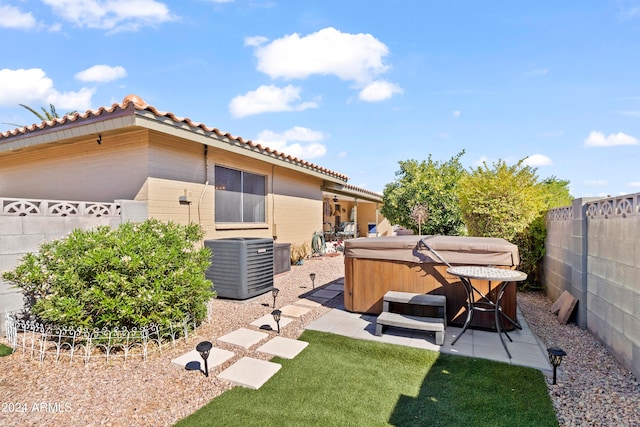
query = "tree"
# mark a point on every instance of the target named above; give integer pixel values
(430, 184)
(556, 192)
(47, 115)
(500, 201)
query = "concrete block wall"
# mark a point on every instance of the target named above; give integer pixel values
(22, 233)
(601, 267)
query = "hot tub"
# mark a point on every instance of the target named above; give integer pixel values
(376, 265)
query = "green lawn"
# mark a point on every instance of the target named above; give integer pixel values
(338, 381)
(5, 350)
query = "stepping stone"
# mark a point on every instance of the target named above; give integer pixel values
(336, 287)
(307, 302)
(193, 361)
(293, 311)
(267, 322)
(283, 347)
(249, 372)
(244, 337)
(324, 293)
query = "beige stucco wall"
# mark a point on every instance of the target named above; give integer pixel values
(79, 170)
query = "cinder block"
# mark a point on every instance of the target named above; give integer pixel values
(632, 328)
(9, 262)
(622, 348)
(20, 244)
(10, 225)
(43, 225)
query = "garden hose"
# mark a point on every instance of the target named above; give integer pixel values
(317, 243)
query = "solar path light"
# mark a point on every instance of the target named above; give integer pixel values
(555, 357)
(274, 292)
(313, 280)
(204, 348)
(277, 314)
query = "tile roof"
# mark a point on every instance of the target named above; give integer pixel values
(134, 103)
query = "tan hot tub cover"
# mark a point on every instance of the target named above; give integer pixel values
(454, 249)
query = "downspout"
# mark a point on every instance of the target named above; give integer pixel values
(274, 231)
(206, 181)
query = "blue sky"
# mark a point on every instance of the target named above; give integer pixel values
(354, 86)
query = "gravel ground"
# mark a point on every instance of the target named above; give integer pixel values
(592, 389)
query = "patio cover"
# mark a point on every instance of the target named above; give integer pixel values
(454, 249)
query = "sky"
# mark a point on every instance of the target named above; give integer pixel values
(354, 86)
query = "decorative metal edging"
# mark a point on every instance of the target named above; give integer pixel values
(57, 208)
(41, 342)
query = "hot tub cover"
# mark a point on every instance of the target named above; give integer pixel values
(454, 249)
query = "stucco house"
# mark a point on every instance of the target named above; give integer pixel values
(183, 171)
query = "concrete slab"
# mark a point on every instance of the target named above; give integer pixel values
(324, 293)
(249, 372)
(267, 322)
(526, 348)
(244, 337)
(308, 303)
(193, 361)
(294, 311)
(286, 348)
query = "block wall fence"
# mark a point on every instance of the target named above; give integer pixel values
(593, 252)
(27, 223)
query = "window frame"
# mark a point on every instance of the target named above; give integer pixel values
(241, 221)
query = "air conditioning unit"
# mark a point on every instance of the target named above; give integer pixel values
(241, 267)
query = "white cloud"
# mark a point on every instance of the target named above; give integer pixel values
(268, 99)
(351, 57)
(13, 18)
(538, 160)
(379, 91)
(481, 161)
(537, 72)
(634, 184)
(289, 142)
(32, 87)
(456, 114)
(255, 41)
(112, 15)
(597, 139)
(101, 74)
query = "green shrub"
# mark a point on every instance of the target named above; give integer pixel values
(132, 276)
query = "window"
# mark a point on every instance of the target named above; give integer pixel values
(240, 196)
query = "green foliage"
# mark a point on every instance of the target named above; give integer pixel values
(131, 276)
(430, 184)
(5, 350)
(500, 201)
(556, 193)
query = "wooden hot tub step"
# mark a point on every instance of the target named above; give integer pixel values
(411, 322)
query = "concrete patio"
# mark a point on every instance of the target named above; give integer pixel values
(526, 349)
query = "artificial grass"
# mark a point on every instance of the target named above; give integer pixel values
(339, 381)
(5, 350)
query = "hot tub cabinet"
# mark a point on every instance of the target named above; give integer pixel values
(376, 265)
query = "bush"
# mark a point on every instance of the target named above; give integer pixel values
(131, 276)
